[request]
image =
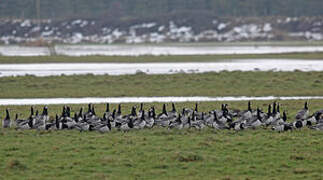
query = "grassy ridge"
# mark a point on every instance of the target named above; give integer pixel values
(143, 59)
(163, 154)
(206, 84)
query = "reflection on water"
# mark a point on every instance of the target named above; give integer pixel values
(137, 50)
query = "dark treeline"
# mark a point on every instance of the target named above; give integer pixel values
(62, 9)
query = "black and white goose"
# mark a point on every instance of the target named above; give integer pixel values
(269, 117)
(177, 124)
(140, 122)
(255, 121)
(23, 124)
(303, 114)
(102, 127)
(196, 122)
(282, 127)
(41, 120)
(162, 119)
(247, 114)
(280, 120)
(315, 118)
(276, 113)
(173, 112)
(82, 125)
(218, 125)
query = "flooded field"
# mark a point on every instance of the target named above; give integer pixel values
(56, 69)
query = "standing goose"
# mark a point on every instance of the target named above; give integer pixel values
(303, 114)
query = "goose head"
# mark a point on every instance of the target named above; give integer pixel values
(133, 111)
(45, 111)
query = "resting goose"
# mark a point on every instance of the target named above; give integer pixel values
(218, 125)
(276, 115)
(303, 114)
(23, 124)
(269, 118)
(318, 127)
(255, 121)
(280, 121)
(282, 127)
(82, 125)
(150, 121)
(315, 118)
(247, 114)
(238, 126)
(162, 119)
(139, 122)
(173, 113)
(197, 124)
(41, 120)
(177, 124)
(102, 127)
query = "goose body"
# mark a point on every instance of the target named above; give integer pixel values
(303, 114)
(282, 127)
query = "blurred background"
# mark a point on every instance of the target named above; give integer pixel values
(38, 22)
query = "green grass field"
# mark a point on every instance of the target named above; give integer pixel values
(144, 59)
(160, 153)
(207, 84)
(163, 154)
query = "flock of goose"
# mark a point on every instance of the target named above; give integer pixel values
(218, 119)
